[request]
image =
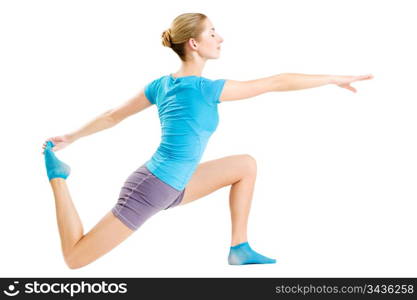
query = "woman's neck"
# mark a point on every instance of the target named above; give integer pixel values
(191, 68)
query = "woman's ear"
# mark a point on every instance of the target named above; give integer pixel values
(192, 43)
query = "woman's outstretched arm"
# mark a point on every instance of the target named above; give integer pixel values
(112, 117)
(236, 90)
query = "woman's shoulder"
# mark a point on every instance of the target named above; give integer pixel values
(199, 82)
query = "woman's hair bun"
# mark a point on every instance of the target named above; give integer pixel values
(166, 38)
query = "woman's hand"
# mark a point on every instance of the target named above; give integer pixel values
(345, 81)
(59, 142)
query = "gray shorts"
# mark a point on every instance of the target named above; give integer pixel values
(143, 195)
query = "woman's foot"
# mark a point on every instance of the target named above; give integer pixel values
(243, 254)
(54, 167)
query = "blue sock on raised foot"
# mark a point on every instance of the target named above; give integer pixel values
(243, 254)
(54, 167)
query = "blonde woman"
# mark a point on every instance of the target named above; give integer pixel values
(187, 107)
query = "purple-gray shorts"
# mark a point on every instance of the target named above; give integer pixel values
(143, 195)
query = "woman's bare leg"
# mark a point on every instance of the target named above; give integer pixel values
(240, 200)
(79, 249)
(239, 171)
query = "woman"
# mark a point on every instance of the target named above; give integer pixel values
(187, 107)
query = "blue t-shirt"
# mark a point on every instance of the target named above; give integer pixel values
(187, 108)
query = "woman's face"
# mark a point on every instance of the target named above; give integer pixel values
(209, 45)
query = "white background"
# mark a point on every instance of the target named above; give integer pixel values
(336, 187)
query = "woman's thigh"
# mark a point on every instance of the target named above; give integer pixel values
(215, 174)
(106, 235)
(142, 196)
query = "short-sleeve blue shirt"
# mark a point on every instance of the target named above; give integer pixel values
(187, 108)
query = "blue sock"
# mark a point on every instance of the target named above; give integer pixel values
(243, 254)
(54, 167)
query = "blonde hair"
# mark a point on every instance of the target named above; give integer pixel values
(183, 27)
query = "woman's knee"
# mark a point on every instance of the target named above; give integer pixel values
(249, 164)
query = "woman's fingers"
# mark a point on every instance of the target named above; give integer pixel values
(348, 81)
(349, 87)
(365, 77)
(44, 145)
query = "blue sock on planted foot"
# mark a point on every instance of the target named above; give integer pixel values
(54, 167)
(243, 254)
